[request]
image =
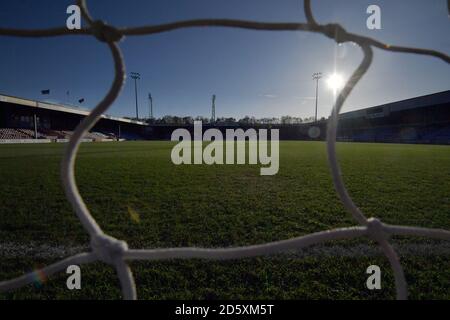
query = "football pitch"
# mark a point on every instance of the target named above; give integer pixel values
(137, 194)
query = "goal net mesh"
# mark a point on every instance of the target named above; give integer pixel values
(116, 253)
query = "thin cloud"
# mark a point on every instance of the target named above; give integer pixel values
(269, 96)
(304, 98)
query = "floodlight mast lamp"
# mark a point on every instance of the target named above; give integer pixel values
(136, 76)
(316, 76)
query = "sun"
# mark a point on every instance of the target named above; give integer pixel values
(335, 81)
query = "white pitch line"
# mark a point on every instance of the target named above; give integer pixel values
(47, 251)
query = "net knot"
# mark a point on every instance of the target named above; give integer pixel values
(104, 32)
(375, 230)
(336, 31)
(108, 249)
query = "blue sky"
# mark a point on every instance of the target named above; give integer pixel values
(256, 73)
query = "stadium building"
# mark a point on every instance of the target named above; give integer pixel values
(424, 119)
(24, 120)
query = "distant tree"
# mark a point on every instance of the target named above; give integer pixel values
(286, 120)
(202, 119)
(151, 120)
(167, 120)
(244, 120)
(230, 120)
(188, 120)
(247, 120)
(308, 119)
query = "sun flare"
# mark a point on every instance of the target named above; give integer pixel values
(335, 81)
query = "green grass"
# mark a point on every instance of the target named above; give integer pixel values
(228, 205)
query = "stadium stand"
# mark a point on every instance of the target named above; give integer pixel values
(10, 133)
(21, 119)
(424, 119)
(26, 134)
